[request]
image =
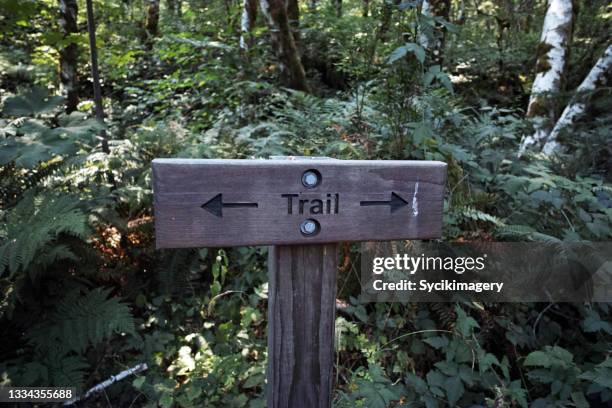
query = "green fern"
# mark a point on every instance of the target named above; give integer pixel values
(514, 231)
(57, 370)
(174, 270)
(477, 215)
(524, 232)
(80, 321)
(32, 228)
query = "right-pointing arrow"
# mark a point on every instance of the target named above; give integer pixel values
(395, 203)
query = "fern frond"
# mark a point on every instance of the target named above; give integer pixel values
(525, 232)
(477, 215)
(66, 371)
(81, 321)
(173, 272)
(32, 227)
(514, 231)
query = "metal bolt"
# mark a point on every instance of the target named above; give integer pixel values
(309, 227)
(310, 179)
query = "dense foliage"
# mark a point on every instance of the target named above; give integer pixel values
(85, 295)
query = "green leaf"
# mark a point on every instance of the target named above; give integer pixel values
(538, 359)
(454, 389)
(138, 382)
(593, 323)
(33, 103)
(39, 143)
(192, 392)
(416, 49)
(579, 400)
(215, 288)
(437, 342)
(254, 381)
(166, 400)
(416, 383)
(377, 390)
(465, 324)
(398, 53)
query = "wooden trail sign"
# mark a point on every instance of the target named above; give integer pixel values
(215, 203)
(303, 208)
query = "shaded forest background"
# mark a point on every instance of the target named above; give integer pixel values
(523, 121)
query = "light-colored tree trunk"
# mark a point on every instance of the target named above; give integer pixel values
(596, 77)
(68, 54)
(461, 16)
(292, 70)
(423, 38)
(551, 62)
(247, 22)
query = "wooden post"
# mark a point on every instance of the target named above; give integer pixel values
(301, 315)
(303, 208)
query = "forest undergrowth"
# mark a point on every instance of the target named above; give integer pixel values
(84, 294)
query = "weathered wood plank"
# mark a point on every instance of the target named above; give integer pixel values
(301, 315)
(257, 202)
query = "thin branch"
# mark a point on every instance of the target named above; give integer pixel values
(103, 385)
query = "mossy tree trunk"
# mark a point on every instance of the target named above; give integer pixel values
(68, 53)
(283, 42)
(552, 56)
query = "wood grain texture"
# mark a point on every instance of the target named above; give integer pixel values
(301, 316)
(182, 186)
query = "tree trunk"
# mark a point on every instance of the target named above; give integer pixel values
(461, 17)
(171, 6)
(247, 22)
(596, 77)
(95, 76)
(365, 11)
(423, 38)
(551, 62)
(152, 20)
(292, 70)
(385, 21)
(434, 8)
(338, 7)
(293, 14)
(68, 54)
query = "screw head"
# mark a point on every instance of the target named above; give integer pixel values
(311, 178)
(309, 227)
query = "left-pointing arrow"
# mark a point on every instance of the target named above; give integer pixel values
(215, 205)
